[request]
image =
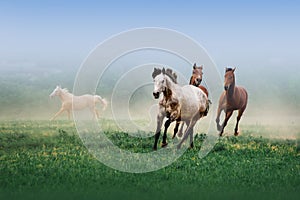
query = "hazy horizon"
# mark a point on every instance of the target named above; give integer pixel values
(43, 44)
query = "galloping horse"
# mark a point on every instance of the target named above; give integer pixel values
(233, 98)
(193, 103)
(196, 80)
(71, 102)
(162, 105)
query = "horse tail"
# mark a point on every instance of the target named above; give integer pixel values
(101, 100)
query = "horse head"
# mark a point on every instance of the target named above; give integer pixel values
(196, 78)
(55, 92)
(158, 76)
(160, 80)
(229, 80)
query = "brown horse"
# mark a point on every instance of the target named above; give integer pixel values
(196, 80)
(233, 98)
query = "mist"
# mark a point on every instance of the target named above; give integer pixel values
(40, 49)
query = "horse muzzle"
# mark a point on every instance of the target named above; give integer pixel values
(168, 114)
(156, 95)
(199, 80)
(226, 87)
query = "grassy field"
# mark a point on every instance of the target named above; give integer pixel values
(42, 159)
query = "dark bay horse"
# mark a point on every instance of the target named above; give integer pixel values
(233, 98)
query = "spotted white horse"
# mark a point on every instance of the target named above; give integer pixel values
(192, 101)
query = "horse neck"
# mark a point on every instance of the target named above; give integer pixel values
(231, 89)
(167, 93)
(171, 86)
(191, 80)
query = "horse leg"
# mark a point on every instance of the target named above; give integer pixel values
(241, 111)
(189, 130)
(176, 128)
(58, 113)
(167, 124)
(159, 122)
(69, 114)
(192, 132)
(180, 133)
(93, 111)
(97, 113)
(192, 139)
(218, 119)
(227, 117)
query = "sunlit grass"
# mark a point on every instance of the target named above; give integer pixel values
(49, 156)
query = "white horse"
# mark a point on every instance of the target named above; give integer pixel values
(71, 102)
(192, 101)
(163, 112)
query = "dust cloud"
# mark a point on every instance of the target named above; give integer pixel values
(272, 111)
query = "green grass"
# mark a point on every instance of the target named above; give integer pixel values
(41, 159)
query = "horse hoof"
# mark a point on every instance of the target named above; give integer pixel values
(220, 134)
(236, 133)
(164, 145)
(154, 148)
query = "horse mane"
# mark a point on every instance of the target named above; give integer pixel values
(65, 90)
(172, 75)
(169, 72)
(156, 72)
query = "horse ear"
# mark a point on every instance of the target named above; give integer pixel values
(155, 72)
(233, 69)
(194, 66)
(175, 77)
(226, 69)
(201, 67)
(163, 71)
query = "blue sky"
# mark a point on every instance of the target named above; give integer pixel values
(56, 33)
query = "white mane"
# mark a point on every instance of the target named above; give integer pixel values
(65, 90)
